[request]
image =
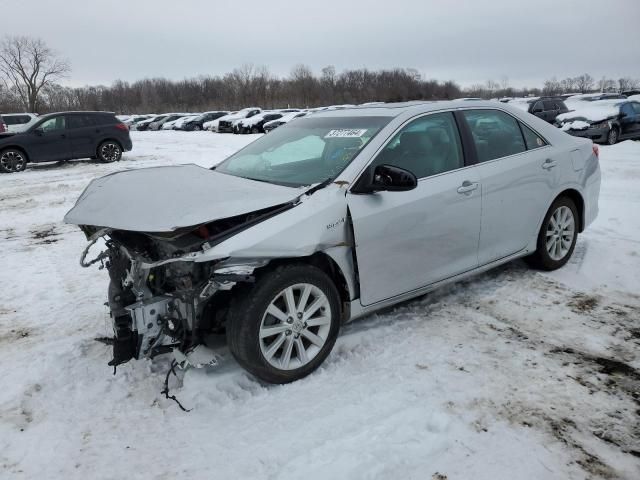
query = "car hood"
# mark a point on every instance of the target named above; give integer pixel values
(7, 135)
(164, 199)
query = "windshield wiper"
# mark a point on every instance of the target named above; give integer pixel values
(319, 186)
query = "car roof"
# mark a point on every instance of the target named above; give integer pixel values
(46, 115)
(417, 106)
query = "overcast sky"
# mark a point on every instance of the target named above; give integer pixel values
(469, 41)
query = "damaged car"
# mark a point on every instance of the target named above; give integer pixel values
(327, 219)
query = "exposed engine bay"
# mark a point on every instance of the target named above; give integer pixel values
(159, 303)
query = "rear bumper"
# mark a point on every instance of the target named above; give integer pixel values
(127, 144)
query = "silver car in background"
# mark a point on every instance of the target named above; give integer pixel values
(329, 218)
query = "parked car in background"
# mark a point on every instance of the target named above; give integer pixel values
(17, 122)
(178, 124)
(225, 124)
(256, 123)
(133, 119)
(315, 224)
(577, 101)
(546, 108)
(197, 123)
(65, 136)
(157, 124)
(273, 124)
(603, 121)
(144, 124)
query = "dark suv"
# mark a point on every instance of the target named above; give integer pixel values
(546, 108)
(65, 136)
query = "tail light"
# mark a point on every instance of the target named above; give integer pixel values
(596, 150)
(122, 126)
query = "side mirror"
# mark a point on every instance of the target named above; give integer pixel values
(387, 178)
(536, 110)
(38, 131)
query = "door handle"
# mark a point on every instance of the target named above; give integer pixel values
(548, 164)
(467, 187)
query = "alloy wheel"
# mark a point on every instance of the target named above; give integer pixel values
(612, 137)
(295, 326)
(12, 161)
(560, 233)
(110, 152)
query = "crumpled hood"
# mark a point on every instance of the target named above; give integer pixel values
(163, 199)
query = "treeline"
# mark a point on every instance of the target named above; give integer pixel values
(246, 86)
(256, 86)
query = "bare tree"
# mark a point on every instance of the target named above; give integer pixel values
(584, 82)
(552, 87)
(606, 84)
(27, 65)
(627, 83)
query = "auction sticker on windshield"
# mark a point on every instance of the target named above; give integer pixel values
(346, 133)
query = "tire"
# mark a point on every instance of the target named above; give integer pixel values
(250, 316)
(109, 151)
(613, 136)
(557, 237)
(255, 130)
(196, 128)
(12, 161)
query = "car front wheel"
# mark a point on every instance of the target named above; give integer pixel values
(109, 151)
(557, 237)
(284, 326)
(12, 161)
(612, 136)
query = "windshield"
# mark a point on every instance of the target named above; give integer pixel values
(308, 151)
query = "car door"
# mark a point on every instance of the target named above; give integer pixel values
(82, 133)
(407, 240)
(48, 141)
(636, 109)
(550, 110)
(518, 173)
(628, 121)
(538, 109)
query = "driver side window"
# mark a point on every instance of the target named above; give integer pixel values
(53, 124)
(427, 146)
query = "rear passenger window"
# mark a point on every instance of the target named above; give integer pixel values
(549, 105)
(79, 121)
(532, 139)
(495, 134)
(427, 146)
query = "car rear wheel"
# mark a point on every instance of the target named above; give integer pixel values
(283, 327)
(197, 128)
(110, 151)
(612, 136)
(12, 161)
(557, 237)
(255, 130)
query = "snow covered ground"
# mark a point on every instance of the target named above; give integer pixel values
(514, 374)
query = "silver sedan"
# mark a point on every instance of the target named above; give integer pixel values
(329, 218)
